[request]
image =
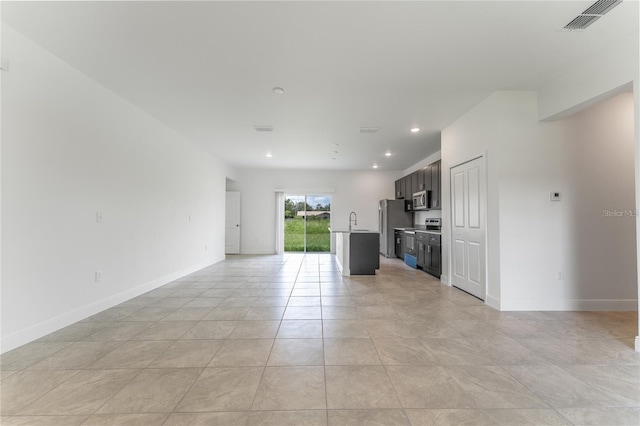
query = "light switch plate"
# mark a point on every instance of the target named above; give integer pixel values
(554, 196)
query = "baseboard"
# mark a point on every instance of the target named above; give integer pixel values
(493, 302)
(256, 251)
(444, 279)
(37, 331)
(571, 305)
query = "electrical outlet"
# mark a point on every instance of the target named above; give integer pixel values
(98, 276)
(554, 196)
(99, 217)
(560, 276)
(206, 247)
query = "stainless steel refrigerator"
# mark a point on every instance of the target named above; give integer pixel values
(391, 215)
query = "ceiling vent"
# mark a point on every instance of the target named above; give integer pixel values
(592, 14)
(263, 128)
(369, 129)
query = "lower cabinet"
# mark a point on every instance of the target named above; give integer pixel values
(434, 256)
(399, 244)
(422, 241)
(429, 254)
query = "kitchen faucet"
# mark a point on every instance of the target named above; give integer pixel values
(355, 220)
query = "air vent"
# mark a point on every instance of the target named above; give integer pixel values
(592, 14)
(369, 129)
(263, 128)
(601, 7)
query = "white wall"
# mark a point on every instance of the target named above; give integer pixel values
(71, 148)
(589, 158)
(357, 191)
(588, 83)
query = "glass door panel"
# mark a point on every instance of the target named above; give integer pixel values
(306, 223)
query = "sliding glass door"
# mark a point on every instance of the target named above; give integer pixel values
(307, 219)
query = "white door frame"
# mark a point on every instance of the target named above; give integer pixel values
(485, 178)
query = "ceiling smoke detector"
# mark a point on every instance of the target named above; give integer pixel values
(591, 14)
(260, 128)
(369, 129)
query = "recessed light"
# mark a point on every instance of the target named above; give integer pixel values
(278, 90)
(269, 155)
(415, 129)
(375, 166)
(387, 154)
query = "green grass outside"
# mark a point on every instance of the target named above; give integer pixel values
(318, 236)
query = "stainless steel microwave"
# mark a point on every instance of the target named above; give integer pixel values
(421, 200)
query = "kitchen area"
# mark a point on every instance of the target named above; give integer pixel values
(409, 228)
(405, 232)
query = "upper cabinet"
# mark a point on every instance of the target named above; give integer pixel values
(435, 173)
(404, 188)
(400, 189)
(426, 179)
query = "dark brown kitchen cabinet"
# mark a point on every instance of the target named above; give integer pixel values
(399, 234)
(408, 188)
(429, 253)
(400, 189)
(433, 256)
(422, 240)
(426, 179)
(435, 173)
(404, 188)
(423, 180)
(415, 182)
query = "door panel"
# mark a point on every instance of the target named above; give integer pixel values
(474, 198)
(459, 258)
(458, 200)
(468, 195)
(307, 219)
(474, 262)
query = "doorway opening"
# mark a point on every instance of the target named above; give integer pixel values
(307, 219)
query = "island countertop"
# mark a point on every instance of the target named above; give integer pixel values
(353, 231)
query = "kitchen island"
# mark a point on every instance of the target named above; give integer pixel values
(357, 252)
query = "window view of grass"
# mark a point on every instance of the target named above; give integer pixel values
(315, 210)
(317, 234)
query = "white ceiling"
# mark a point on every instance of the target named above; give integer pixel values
(207, 68)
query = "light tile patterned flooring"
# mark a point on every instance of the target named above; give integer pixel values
(285, 340)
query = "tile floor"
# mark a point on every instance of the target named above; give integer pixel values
(285, 340)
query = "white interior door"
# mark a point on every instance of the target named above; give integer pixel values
(232, 223)
(468, 200)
